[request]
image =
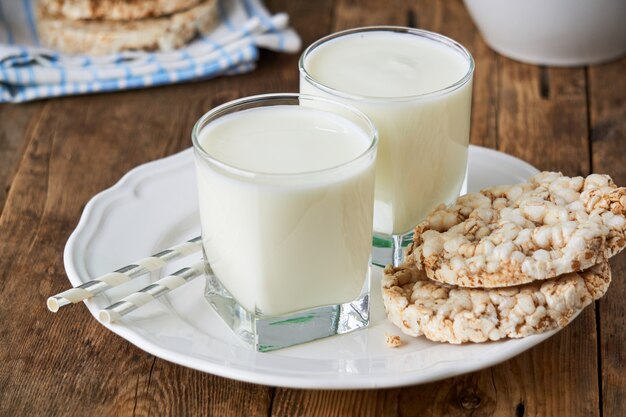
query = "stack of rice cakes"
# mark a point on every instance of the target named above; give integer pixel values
(509, 261)
(109, 26)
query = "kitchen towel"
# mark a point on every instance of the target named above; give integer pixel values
(29, 71)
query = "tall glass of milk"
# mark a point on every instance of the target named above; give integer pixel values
(286, 195)
(416, 86)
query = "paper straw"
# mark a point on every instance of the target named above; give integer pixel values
(166, 284)
(122, 275)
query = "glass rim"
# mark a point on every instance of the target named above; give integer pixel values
(224, 109)
(436, 37)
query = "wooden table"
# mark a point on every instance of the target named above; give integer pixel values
(56, 154)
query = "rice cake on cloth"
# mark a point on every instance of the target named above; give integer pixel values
(444, 313)
(101, 37)
(114, 9)
(512, 235)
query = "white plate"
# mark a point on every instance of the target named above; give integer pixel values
(154, 206)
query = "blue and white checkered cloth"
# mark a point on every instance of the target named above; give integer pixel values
(29, 71)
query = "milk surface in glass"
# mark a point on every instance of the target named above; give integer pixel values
(279, 242)
(402, 81)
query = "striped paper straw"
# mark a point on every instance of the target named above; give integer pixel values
(153, 291)
(122, 275)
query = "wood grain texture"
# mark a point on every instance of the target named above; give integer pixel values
(542, 116)
(173, 390)
(607, 110)
(318, 403)
(355, 13)
(13, 136)
(52, 367)
(55, 155)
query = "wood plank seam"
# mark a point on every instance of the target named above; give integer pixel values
(599, 354)
(597, 302)
(154, 360)
(412, 19)
(544, 82)
(497, 101)
(136, 393)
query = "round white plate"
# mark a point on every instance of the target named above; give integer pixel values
(154, 206)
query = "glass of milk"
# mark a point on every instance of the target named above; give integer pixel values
(416, 86)
(286, 195)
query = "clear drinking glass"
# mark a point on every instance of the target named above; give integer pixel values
(286, 231)
(424, 138)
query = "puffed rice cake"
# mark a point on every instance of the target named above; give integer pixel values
(511, 235)
(114, 9)
(444, 313)
(101, 37)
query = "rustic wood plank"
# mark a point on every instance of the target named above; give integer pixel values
(300, 403)
(174, 390)
(56, 366)
(543, 117)
(607, 110)
(15, 120)
(354, 13)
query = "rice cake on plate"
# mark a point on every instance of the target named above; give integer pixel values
(444, 313)
(512, 235)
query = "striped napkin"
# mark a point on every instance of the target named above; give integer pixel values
(29, 71)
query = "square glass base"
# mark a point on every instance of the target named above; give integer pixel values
(389, 250)
(265, 333)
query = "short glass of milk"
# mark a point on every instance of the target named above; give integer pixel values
(286, 195)
(416, 86)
